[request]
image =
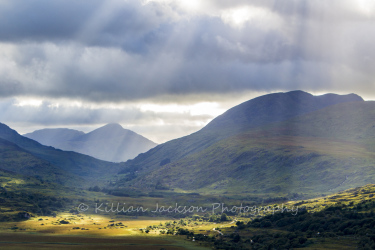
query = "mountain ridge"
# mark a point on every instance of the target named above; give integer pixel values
(254, 113)
(282, 105)
(324, 151)
(48, 136)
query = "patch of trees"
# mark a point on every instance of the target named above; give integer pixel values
(332, 222)
(165, 162)
(31, 203)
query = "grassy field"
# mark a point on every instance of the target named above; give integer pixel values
(69, 230)
(88, 231)
(115, 231)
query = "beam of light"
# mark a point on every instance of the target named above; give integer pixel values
(100, 19)
(238, 17)
(28, 102)
(202, 108)
(186, 5)
(366, 6)
(191, 5)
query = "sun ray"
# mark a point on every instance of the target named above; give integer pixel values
(366, 6)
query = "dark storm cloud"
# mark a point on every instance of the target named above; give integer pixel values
(125, 50)
(92, 22)
(43, 20)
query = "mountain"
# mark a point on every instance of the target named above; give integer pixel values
(110, 142)
(251, 115)
(54, 137)
(324, 151)
(82, 166)
(274, 108)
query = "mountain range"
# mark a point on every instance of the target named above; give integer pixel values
(277, 144)
(110, 142)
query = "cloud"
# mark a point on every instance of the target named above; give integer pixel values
(26, 115)
(91, 22)
(111, 51)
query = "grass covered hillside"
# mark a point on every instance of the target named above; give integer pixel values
(16, 160)
(81, 166)
(320, 152)
(209, 154)
(341, 221)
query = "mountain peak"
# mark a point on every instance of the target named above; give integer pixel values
(111, 127)
(275, 107)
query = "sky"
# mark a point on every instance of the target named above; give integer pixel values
(165, 68)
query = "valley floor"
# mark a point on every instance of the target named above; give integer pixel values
(101, 232)
(86, 232)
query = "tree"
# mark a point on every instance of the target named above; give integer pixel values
(224, 217)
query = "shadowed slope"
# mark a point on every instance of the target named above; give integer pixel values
(326, 150)
(74, 163)
(252, 114)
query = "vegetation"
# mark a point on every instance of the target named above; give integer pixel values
(79, 168)
(200, 150)
(322, 152)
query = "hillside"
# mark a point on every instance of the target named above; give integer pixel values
(110, 142)
(203, 145)
(83, 166)
(272, 108)
(344, 220)
(324, 151)
(15, 160)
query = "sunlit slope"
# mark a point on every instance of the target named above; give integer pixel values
(323, 151)
(252, 114)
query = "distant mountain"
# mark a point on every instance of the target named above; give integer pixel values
(110, 142)
(248, 116)
(87, 168)
(54, 137)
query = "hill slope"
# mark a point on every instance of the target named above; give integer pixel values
(252, 114)
(110, 142)
(18, 161)
(274, 108)
(84, 166)
(327, 150)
